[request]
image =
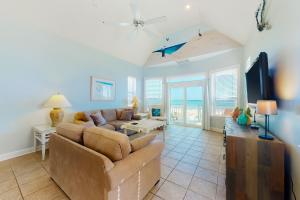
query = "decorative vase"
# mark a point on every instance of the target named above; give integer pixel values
(56, 115)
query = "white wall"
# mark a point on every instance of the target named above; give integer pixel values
(282, 43)
(35, 65)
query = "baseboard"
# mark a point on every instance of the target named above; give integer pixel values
(217, 130)
(14, 154)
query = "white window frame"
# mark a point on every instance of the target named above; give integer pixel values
(131, 89)
(212, 86)
(162, 103)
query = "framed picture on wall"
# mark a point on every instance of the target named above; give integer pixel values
(102, 90)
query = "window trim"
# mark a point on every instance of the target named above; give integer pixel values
(212, 95)
(134, 93)
(163, 91)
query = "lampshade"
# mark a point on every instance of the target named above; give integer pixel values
(57, 101)
(266, 107)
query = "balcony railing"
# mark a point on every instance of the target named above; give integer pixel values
(194, 114)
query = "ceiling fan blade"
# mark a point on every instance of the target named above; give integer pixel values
(116, 24)
(155, 20)
(150, 33)
(135, 11)
(125, 24)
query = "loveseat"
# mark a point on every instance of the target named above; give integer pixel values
(99, 164)
(112, 117)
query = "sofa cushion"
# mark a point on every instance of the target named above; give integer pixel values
(117, 124)
(141, 142)
(119, 112)
(108, 126)
(98, 119)
(112, 144)
(71, 131)
(109, 114)
(126, 115)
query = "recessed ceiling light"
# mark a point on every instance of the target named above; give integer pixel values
(187, 6)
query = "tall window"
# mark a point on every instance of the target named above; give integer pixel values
(153, 92)
(131, 84)
(224, 85)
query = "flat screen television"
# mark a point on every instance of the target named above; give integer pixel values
(257, 79)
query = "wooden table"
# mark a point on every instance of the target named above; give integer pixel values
(254, 167)
(145, 126)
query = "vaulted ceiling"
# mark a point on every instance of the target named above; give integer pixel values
(81, 21)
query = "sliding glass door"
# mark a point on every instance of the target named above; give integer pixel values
(186, 103)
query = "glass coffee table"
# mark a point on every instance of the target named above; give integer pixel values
(145, 126)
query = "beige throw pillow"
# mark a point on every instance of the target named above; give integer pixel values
(112, 144)
(141, 142)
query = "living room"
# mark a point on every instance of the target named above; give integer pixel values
(181, 65)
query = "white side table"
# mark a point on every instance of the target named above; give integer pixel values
(42, 133)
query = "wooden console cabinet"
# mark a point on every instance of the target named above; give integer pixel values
(254, 167)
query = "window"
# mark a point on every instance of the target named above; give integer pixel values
(153, 92)
(224, 85)
(131, 81)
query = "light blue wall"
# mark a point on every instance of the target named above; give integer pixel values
(34, 65)
(282, 43)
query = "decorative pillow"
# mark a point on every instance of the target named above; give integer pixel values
(141, 142)
(98, 119)
(87, 117)
(126, 115)
(156, 112)
(112, 144)
(119, 113)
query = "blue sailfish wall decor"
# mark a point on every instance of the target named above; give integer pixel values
(169, 50)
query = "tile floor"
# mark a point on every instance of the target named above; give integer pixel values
(192, 169)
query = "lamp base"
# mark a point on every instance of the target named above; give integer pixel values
(266, 137)
(56, 116)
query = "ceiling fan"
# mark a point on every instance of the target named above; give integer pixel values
(138, 23)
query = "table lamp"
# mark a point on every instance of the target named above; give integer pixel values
(267, 108)
(57, 102)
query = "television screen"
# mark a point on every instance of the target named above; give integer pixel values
(257, 79)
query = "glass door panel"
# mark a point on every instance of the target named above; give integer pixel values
(194, 105)
(177, 104)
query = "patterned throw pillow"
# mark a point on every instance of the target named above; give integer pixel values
(98, 119)
(126, 115)
(155, 112)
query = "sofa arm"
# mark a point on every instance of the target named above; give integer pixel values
(80, 172)
(133, 163)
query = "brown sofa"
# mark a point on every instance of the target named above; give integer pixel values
(99, 164)
(112, 117)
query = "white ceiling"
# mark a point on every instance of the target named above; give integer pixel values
(80, 20)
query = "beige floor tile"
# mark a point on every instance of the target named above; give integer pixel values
(175, 155)
(209, 165)
(31, 176)
(8, 185)
(48, 193)
(221, 193)
(13, 194)
(165, 171)
(25, 168)
(211, 157)
(186, 167)
(151, 197)
(180, 178)
(171, 191)
(204, 188)
(36, 185)
(190, 159)
(207, 175)
(190, 195)
(221, 180)
(194, 153)
(157, 186)
(6, 174)
(170, 162)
